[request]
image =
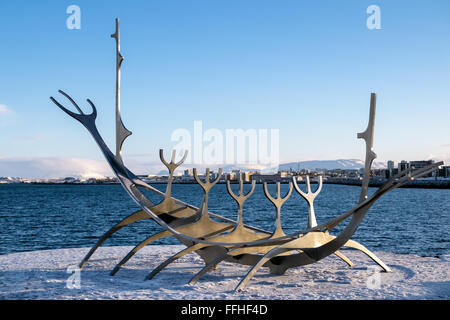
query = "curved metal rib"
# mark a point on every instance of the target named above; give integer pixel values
(176, 256)
(211, 266)
(141, 245)
(370, 254)
(136, 216)
(240, 198)
(272, 253)
(278, 203)
(309, 197)
(171, 167)
(344, 258)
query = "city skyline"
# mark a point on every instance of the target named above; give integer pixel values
(102, 172)
(306, 69)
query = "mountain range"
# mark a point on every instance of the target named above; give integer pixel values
(52, 167)
(329, 164)
(347, 164)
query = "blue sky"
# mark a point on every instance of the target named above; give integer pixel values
(304, 67)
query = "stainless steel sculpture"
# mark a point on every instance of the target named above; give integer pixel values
(220, 239)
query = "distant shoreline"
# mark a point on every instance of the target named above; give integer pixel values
(409, 185)
(417, 184)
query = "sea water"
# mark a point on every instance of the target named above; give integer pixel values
(37, 217)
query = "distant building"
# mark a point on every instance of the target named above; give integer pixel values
(284, 174)
(444, 172)
(421, 164)
(228, 176)
(246, 176)
(352, 173)
(390, 165)
(278, 177)
(389, 173)
(213, 175)
(6, 180)
(235, 174)
(403, 165)
(267, 177)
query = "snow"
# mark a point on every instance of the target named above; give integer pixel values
(346, 164)
(44, 275)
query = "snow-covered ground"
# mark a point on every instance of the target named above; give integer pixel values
(45, 274)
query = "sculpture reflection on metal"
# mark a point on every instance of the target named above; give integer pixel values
(221, 238)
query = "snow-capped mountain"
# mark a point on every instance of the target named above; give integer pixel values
(329, 164)
(295, 166)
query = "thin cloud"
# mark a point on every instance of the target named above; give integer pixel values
(36, 137)
(60, 167)
(5, 110)
(53, 167)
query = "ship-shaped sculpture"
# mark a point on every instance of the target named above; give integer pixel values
(219, 239)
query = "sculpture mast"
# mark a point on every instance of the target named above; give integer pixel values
(121, 132)
(367, 135)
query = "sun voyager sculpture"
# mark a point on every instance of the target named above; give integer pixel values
(216, 238)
